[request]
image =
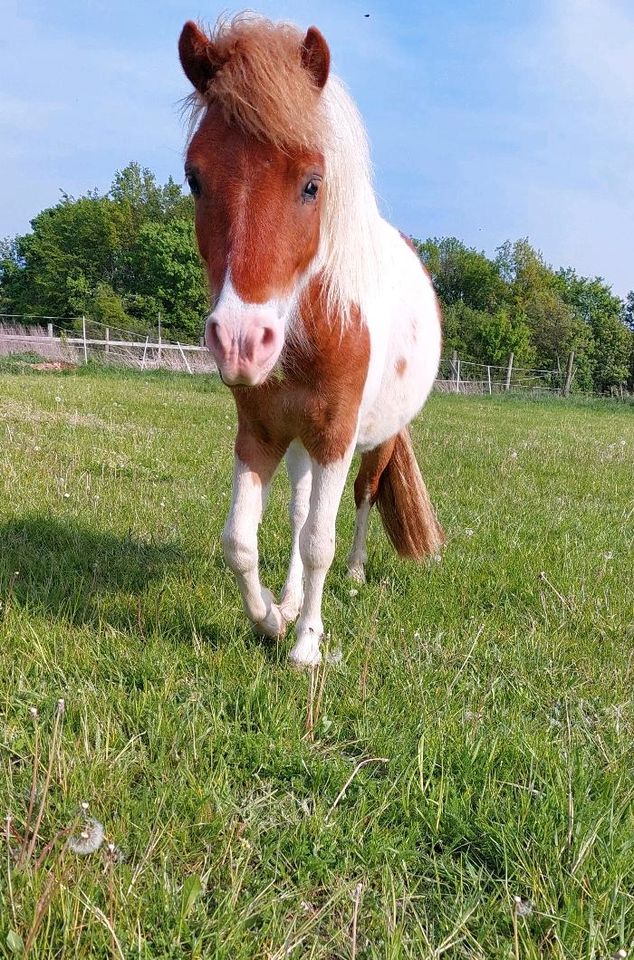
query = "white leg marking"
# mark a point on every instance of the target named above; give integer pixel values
(299, 471)
(240, 541)
(358, 555)
(317, 548)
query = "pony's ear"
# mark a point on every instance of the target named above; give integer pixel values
(196, 52)
(316, 56)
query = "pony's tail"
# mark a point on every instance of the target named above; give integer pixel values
(404, 504)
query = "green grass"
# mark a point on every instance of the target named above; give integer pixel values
(497, 684)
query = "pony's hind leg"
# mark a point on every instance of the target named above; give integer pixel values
(366, 489)
(299, 472)
(240, 543)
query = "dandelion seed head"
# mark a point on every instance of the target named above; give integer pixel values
(84, 805)
(33, 712)
(61, 705)
(89, 840)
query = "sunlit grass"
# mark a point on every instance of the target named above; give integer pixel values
(492, 692)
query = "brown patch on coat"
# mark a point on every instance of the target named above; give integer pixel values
(400, 366)
(317, 396)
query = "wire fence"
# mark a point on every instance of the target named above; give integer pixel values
(45, 344)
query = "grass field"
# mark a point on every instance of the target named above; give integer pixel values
(492, 693)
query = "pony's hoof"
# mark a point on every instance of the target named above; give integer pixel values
(273, 625)
(306, 652)
(357, 573)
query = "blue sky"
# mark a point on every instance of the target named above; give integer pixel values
(488, 120)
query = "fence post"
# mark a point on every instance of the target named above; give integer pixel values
(189, 369)
(489, 378)
(83, 326)
(107, 348)
(147, 339)
(50, 330)
(454, 363)
(458, 375)
(569, 372)
(202, 341)
(160, 352)
(509, 371)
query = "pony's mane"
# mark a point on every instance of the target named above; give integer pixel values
(262, 87)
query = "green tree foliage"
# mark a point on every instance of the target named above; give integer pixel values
(120, 259)
(517, 303)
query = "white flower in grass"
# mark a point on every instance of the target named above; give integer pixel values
(89, 840)
(620, 954)
(469, 532)
(608, 556)
(353, 592)
(335, 656)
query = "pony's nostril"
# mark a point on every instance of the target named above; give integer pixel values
(268, 337)
(215, 342)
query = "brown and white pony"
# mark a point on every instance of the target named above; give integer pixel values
(324, 325)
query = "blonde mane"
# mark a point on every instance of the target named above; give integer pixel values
(261, 85)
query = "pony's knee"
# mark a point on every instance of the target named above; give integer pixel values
(317, 546)
(240, 554)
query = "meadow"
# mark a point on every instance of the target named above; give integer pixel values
(456, 780)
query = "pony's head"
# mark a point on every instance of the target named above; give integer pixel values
(255, 166)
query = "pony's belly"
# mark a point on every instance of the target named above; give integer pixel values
(408, 370)
(397, 403)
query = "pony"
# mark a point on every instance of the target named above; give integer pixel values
(323, 323)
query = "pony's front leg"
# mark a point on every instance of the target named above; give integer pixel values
(317, 548)
(240, 542)
(300, 475)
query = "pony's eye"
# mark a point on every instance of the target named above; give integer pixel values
(193, 183)
(310, 190)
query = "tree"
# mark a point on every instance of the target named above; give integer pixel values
(169, 269)
(628, 311)
(602, 313)
(118, 259)
(461, 274)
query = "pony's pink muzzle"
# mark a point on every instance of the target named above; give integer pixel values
(245, 353)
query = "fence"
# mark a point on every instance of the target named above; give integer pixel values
(57, 347)
(61, 347)
(466, 376)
